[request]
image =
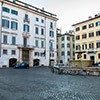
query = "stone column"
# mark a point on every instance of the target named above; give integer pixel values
(31, 58)
(20, 55)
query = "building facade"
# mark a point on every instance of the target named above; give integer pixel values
(27, 34)
(87, 39)
(65, 47)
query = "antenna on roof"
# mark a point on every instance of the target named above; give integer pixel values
(90, 17)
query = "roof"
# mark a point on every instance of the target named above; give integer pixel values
(58, 35)
(30, 7)
(87, 20)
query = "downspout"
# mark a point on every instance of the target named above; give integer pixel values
(1, 28)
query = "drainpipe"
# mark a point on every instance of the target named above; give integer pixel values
(1, 27)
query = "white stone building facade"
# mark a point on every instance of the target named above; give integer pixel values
(65, 47)
(27, 34)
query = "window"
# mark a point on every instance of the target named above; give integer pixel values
(91, 45)
(26, 28)
(91, 25)
(13, 40)
(98, 44)
(4, 51)
(51, 34)
(51, 25)
(77, 56)
(14, 25)
(84, 36)
(62, 38)
(68, 53)
(91, 34)
(5, 23)
(84, 27)
(62, 45)
(78, 47)
(62, 53)
(26, 17)
(51, 46)
(77, 37)
(42, 44)
(99, 55)
(68, 38)
(37, 19)
(5, 9)
(42, 21)
(5, 39)
(84, 46)
(25, 42)
(73, 45)
(13, 52)
(68, 45)
(84, 56)
(51, 54)
(36, 54)
(97, 33)
(36, 43)
(42, 31)
(14, 12)
(77, 29)
(36, 30)
(98, 23)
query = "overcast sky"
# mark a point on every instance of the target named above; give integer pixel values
(68, 11)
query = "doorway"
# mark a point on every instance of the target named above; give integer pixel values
(12, 62)
(92, 58)
(51, 62)
(25, 56)
(36, 62)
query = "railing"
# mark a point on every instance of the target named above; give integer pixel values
(51, 49)
(26, 20)
(25, 46)
(91, 50)
(26, 34)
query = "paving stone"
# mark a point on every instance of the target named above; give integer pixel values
(42, 84)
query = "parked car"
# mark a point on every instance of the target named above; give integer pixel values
(22, 65)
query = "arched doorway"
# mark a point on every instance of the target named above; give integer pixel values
(12, 62)
(51, 62)
(36, 62)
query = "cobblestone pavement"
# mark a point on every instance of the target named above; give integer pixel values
(42, 84)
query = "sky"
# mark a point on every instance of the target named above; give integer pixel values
(68, 12)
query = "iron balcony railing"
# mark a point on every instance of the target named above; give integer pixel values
(25, 46)
(26, 34)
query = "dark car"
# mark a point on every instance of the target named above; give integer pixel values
(22, 65)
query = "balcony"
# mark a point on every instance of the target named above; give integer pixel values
(20, 46)
(91, 50)
(26, 20)
(26, 34)
(51, 49)
(80, 51)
